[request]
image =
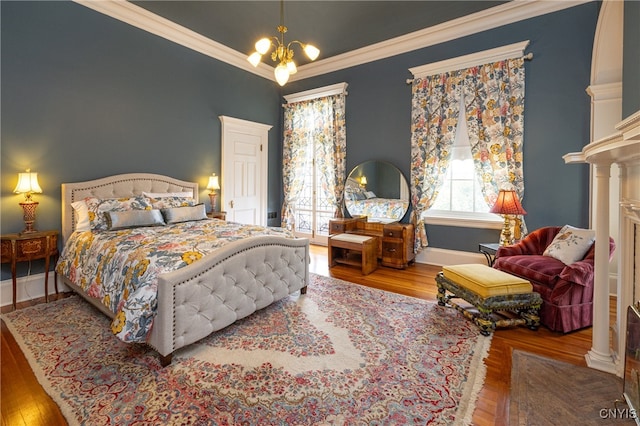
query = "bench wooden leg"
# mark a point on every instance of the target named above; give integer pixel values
(369, 257)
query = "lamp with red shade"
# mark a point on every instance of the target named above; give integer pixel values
(507, 204)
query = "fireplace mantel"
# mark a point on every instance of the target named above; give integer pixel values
(623, 148)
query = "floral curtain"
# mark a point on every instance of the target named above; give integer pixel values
(318, 125)
(494, 109)
(494, 106)
(434, 119)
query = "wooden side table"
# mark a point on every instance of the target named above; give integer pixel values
(217, 215)
(25, 247)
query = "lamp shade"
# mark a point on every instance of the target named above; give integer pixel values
(27, 183)
(507, 203)
(282, 74)
(263, 45)
(311, 51)
(255, 58)
(214, 183)
(363, 180)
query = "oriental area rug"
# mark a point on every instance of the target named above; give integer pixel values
(341, 354)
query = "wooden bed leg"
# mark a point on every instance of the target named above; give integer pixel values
(303, 290)
(165, 360)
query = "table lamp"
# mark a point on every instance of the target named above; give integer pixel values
(213, 186)
(507, 204)
(27, 185)
(363, 181)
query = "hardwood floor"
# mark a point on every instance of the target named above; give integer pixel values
(24, 402)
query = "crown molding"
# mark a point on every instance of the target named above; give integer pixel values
(508, 13)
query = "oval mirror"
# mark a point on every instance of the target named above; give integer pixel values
(378, 190)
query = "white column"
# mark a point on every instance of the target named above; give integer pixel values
(600, 357)
(624, 291)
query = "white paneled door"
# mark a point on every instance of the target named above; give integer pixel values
(245, 145)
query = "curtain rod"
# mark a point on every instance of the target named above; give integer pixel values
(528, 57)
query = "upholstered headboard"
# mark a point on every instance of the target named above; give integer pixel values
(117, 186)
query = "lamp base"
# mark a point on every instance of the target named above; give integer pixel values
(505, 235)
(29, 217)
(212, 197)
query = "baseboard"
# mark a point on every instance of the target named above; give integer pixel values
(28, 288)
(440, 257)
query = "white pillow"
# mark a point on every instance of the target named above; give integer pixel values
(570, 244)
(187, 194)
(82, 216)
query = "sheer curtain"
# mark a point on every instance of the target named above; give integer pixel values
(494, 111)
(317, 125)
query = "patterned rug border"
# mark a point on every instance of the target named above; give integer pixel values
(464, 413)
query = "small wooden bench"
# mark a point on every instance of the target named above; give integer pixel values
(354, 249)
(490, 291)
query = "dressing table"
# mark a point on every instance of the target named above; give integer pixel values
(395, 240)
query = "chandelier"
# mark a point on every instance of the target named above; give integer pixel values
(282, 52)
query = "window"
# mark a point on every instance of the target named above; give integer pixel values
(314, 143)
(460, 201)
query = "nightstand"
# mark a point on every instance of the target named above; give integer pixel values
(217, 215)
(26, 247)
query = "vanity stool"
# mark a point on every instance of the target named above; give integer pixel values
(354, 249)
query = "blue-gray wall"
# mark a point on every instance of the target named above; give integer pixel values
(631, 66)
(557, 115)
(85, 96)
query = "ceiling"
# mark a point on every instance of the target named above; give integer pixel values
(335, 26)
(348, 33)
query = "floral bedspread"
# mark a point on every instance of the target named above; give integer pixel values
(378, 208)
(121, 268)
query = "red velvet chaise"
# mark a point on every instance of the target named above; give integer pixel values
(566, 290)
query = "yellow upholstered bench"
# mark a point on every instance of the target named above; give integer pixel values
(354, 249)
(490, 291)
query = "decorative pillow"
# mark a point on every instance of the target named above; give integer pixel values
(187, 194)
(98, 207)
(369, 194)
(570, 244)
(170, 202)
(82, 216)
(184, 214)
(134, 219)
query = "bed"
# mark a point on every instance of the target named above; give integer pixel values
(190, 302)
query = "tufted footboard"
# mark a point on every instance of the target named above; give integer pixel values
(232, 283)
